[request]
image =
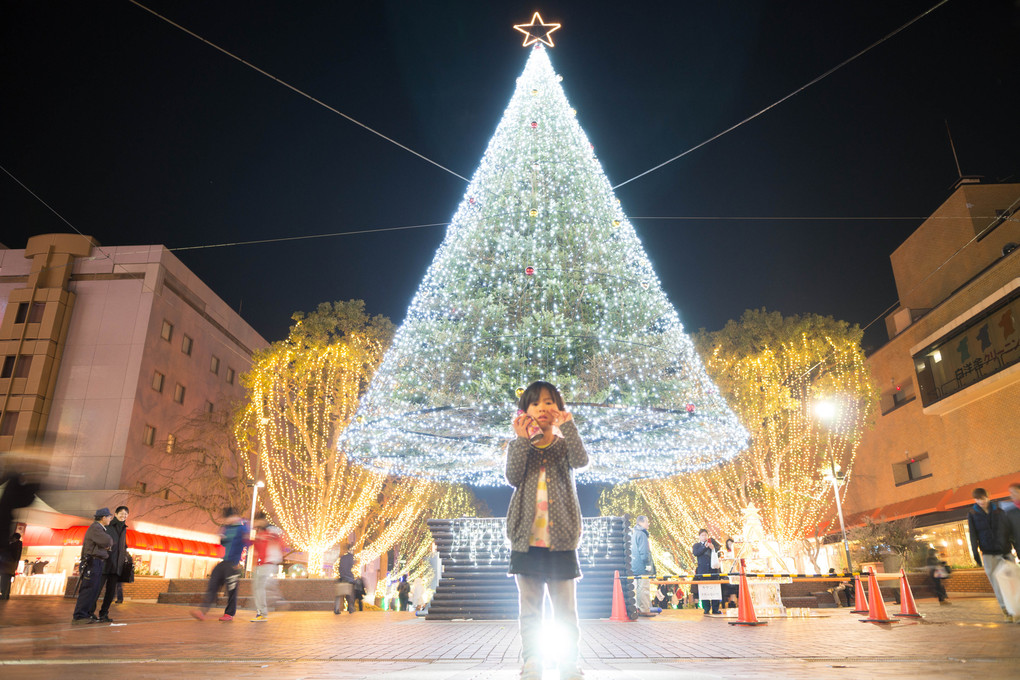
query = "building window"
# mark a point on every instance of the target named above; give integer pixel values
(32, 312)
(8, 423)
(186, 344)
(208, 407)
(141, 487)
(214, 364)
(16, 366)
(168, 331)
(179, 393)
(230, 375)
(171, 440)
(35, 312)
(157, 381)
(24, 366)
(980, 348)
(149, 435)
(912, 469)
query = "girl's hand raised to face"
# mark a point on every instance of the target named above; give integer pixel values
(520, 425)
(562, 417)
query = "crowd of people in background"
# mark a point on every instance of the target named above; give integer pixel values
(105, 565)
(709, 557)
(995, 545)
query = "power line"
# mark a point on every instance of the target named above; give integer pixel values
(762, 218)
(38, 198)
(295, 89)
(795, 92)
(308, 236)
(114, 265)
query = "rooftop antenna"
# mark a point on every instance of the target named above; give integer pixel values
(952, 146)
(959, 173)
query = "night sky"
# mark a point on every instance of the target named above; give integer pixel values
(138, 133)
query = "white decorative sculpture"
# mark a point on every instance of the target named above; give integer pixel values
(761, 555)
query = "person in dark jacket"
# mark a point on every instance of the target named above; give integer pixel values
(988, 533)
(703, 551)
(642, 566)
(403, 592)
(345, 582)
(118, 556)
(359, 593)
(1012, 516)
(938, 571)
(95, 550)
(10, 555)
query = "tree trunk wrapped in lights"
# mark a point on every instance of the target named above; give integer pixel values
(542, 276)
(301, 394)
(777, 373)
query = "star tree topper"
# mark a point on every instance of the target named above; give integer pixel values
(537, 31)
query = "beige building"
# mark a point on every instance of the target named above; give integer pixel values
(950, 374)
(107, 356)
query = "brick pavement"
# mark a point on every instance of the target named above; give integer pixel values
(162, 641)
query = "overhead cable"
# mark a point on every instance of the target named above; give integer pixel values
(298, 91)
(795, 92)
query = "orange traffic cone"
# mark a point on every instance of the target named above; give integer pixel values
(907, 606)
(619, 605)
(745, 608)
(860, 599)
(876, 612)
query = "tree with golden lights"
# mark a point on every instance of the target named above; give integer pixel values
(802, 388)
(301, 394)
(449, 502)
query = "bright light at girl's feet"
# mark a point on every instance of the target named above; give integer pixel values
(555, 643)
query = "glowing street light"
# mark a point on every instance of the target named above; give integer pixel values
(825, 409)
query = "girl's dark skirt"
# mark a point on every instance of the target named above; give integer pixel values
(545, 563)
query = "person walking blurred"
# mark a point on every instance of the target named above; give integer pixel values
(234, 538)
(268, 548)
(10, 556)
(987, 525)
(1012, 517)
(938, 571)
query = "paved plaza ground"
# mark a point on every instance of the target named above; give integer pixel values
(965, 640)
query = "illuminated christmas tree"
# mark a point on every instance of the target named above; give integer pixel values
(541, 276)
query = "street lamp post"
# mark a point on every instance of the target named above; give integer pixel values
(255, 486)
(826, 410)
(833, 475)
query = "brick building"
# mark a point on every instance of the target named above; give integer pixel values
(106, 355)
(949, 375)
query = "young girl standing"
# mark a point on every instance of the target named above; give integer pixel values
(544, 523)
